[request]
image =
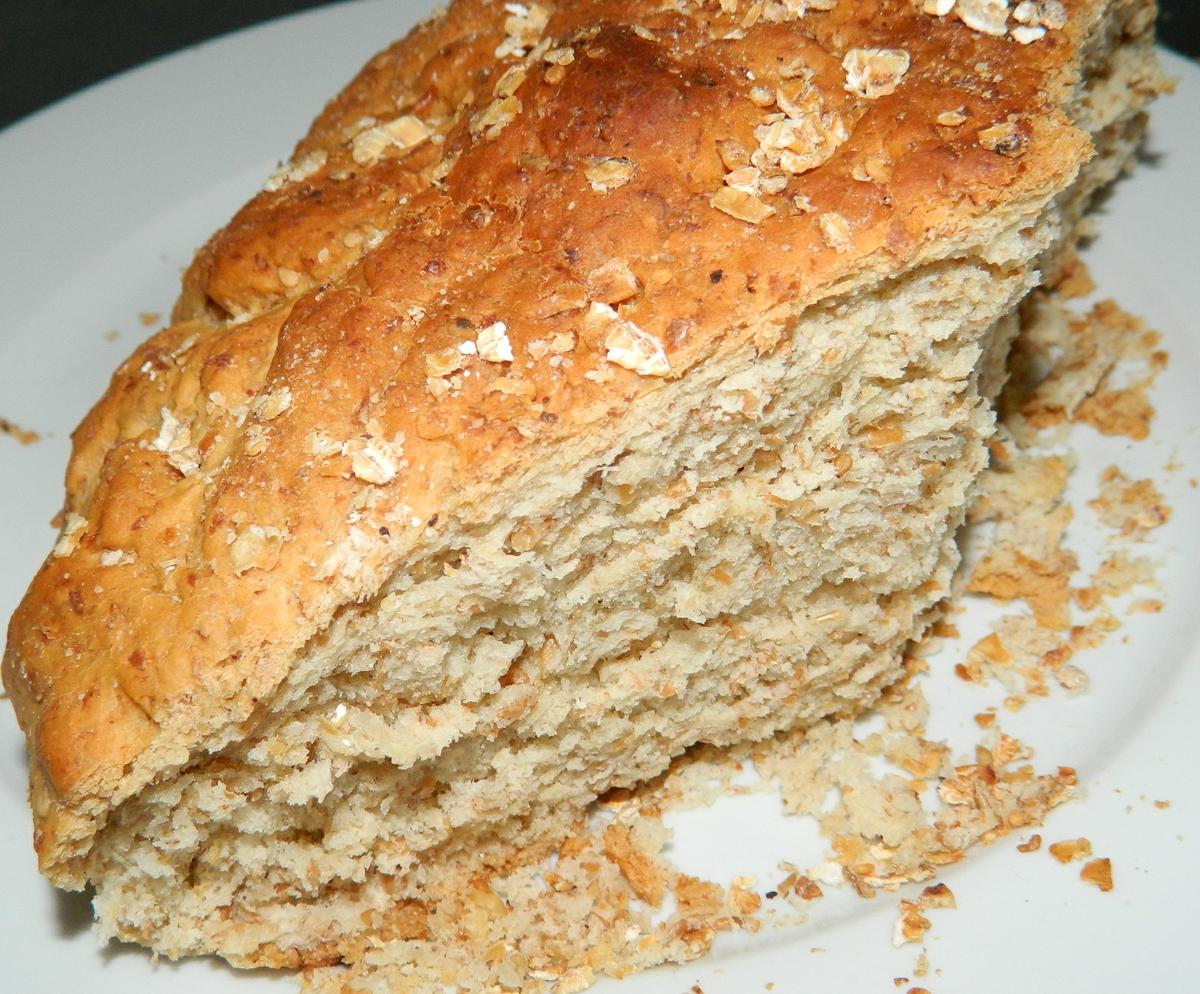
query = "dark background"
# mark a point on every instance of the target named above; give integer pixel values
(50, 48)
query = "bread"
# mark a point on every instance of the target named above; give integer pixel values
(558, 406)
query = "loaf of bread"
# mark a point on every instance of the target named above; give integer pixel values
(596, 379)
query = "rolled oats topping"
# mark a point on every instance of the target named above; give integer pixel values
(987, 16)
(73, 528)
(801, 135)
(745, 178)
(740, 204)
(510, 81)
(612, 282)
(174, 439)
(404, 133)
(493, 344)
(373, 460)
(173, 434)
(522, 29)
(1005, 138)
(270, 405)
(495, 117)
(799, 143)
(1027, 34)
(951, 118)
(836, 231)
(444, 362)
(626, 344)
(563, 56)
(1027, 22)
(875, 72)
(1050, 14)
(296, 170)
(608, 174)
(255, 547)
(798, 8)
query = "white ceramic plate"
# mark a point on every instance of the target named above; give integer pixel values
(104, 198)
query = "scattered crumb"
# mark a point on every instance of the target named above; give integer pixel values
(1148, 605)
(1098, 873)
(111, 335)
(1032, 845)
(22, 435)
(1162, 805)
(1132, 508)
(1082, 353)
(1075, 280)
(149, 318)
(1070, 850)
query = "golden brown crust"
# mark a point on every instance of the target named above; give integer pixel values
(317, 414)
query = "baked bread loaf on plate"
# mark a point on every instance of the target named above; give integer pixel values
(595, 380)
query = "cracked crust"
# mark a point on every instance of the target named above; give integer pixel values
(267, 459)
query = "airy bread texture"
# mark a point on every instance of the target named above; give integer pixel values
(593, 382)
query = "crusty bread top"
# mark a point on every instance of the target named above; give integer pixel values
(497, 183)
